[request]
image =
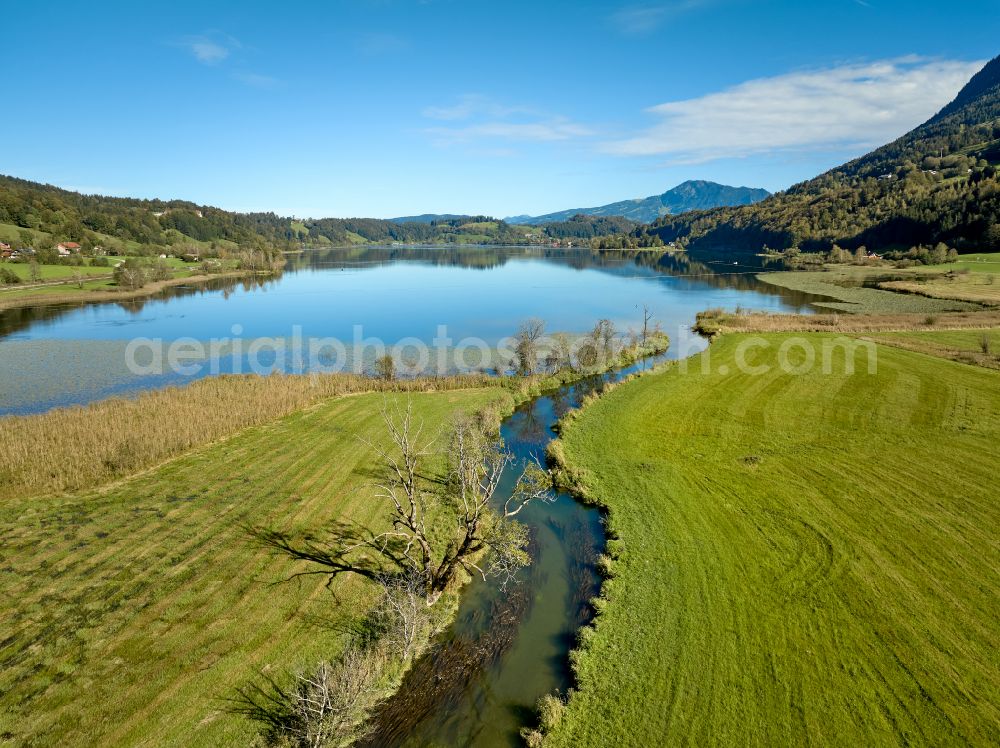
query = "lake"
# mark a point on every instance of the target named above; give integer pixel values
(74, 354)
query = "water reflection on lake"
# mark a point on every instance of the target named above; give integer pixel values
(70, 354)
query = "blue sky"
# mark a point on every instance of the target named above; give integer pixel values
(395, 107)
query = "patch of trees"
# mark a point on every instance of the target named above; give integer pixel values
(589, 227)
(97, 220)
(110, 222)
(134, 273)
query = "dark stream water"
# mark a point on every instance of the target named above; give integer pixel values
(478, 684)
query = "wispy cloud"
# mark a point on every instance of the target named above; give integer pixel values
(474, 105)
(850, 106)
(217, 49)
(210, 49)
(636, 20)
(552, 130)
(484, 119)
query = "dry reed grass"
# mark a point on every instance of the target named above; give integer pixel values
(74, 448)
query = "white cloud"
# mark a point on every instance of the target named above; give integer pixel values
(855, 105)
(484, 119)
(210, 49)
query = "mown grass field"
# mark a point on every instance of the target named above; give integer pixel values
(961, 340)
(974, 279)
(976, 347)
(66, 272)
(129, 615)
(102, 289)
(983, 262)
(842, 284)
(981, 287)
(802, 559)
(54, 272)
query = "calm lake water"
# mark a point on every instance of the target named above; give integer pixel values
(73, 354)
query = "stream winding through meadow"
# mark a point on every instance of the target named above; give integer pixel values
(478, 683)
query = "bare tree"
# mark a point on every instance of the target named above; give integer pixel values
(78, 277)
(647, 317)
(478, 458)
(483, 540)
(526, 346)
(604, 335)
(321, 708)
(561, 355)
(130, 274)
(402, 613)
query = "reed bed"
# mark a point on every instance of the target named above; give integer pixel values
(69, 449)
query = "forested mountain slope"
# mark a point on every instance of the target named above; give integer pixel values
(937, 183)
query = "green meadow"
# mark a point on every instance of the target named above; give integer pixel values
(796, 558)
(976, 347)
(131, 614)
(842, 284)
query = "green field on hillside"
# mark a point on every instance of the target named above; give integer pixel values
(130, 615)
(11, 234)
(802, 559)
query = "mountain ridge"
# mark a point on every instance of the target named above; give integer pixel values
(936, 183)
(694, 194)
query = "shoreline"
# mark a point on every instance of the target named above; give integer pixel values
(98, 297)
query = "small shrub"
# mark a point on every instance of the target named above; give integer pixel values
(930, 320)
(385, 367)
(605, 565)
(531, 738)
(986, 344)
(599, 605)
(8, 277)
(550, 711)
(752, 460)
(614, 547)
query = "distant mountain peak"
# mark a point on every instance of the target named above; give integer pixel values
(694, 194)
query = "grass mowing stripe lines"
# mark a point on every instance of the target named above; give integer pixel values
(131, 612)
(839, 589)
